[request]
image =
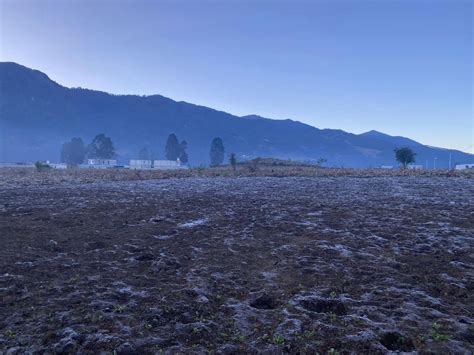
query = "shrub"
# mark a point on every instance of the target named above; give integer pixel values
(40, 166)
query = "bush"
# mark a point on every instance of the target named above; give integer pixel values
(40, 166)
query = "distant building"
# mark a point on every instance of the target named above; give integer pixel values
(415, 167)
(101, 163)
(386, 167)
(141, 164)
(167, 164)
(58, 165)
(464, 166)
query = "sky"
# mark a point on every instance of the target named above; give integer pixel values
(400, 67)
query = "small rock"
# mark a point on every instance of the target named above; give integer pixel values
(53, 245)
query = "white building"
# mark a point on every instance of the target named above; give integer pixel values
(386, 167)
(464, 166)
(58, 165)
(141, 164)
(415, 167)
(101, 163)
(167, 164)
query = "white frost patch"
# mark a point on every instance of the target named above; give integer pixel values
(192, 224)
(306, 224)
(229, 243)
(242, 313)
(341, 249)
(163, 237)
(268, 275)
(127, 290)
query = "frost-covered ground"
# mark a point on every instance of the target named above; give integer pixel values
(225, 265)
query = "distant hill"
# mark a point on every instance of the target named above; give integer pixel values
(37, 115)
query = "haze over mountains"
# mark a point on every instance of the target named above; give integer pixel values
(37, 115)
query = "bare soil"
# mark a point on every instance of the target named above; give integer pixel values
(237, 265)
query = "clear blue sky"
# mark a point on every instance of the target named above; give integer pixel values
(400, 67)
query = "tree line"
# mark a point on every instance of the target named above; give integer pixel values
(75, 152)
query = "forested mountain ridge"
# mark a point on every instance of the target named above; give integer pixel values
(37, 115)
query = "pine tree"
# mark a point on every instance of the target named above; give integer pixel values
(217, 152)
(172, 149)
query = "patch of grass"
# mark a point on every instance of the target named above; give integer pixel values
(441, 337)
(10, 334)
(436, 333)
(333, 351)
(239, 339)
(120, 308)
(309, 333)
(278, 340)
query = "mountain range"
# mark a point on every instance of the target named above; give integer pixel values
(37, 115)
